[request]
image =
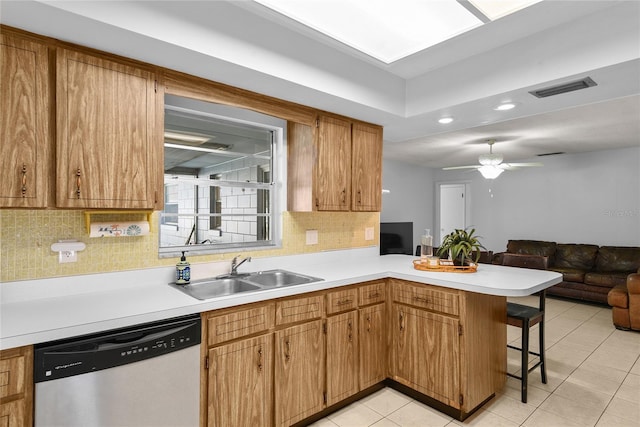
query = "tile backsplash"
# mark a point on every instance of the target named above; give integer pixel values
(26, 237)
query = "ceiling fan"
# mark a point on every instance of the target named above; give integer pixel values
(491, 165)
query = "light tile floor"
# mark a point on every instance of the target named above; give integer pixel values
(593, 379)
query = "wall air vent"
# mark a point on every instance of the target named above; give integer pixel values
(564, 88)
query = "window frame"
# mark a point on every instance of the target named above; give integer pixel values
(276, 187)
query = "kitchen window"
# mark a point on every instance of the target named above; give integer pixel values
(222, 176)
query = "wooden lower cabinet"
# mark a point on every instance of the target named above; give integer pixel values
(16, 387)
(281, 362)
(372, 326)
(448, 345)
(12, 414)
(240, 383)
(299, 372)
(342, 356)
(427, 353)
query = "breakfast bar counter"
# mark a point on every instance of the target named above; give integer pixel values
(36, 311)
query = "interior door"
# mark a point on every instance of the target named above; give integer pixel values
(452, 209)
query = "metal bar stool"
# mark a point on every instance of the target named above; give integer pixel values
(525, 317)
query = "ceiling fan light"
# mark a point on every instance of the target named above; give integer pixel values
(490, 171)
(490, 159)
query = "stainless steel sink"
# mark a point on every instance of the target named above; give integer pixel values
(207, 289)
(245, 282)
(279, 278)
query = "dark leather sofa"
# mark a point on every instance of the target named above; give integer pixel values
(589, 272)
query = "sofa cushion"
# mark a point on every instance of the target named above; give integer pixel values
(575, 256)
(570, 274)
(618, 297)
(618, 259)
(532, 247)
(608, 279)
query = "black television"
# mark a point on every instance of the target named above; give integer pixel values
(396, 238)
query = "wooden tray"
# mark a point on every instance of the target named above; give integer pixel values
(448, 268)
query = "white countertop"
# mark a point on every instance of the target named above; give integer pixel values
(36, 311)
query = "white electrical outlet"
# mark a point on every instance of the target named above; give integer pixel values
(67, 256)
(312, 237)
(368, 233)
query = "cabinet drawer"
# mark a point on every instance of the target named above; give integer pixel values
(426, 296)
(12, 372)
(299, 309)
(341, 301)
(372, 294)
(239, 323)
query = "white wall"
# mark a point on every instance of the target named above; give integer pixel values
(580, 198)
(411, 196)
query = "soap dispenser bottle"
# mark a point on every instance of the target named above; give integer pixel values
(426, 245)
(183, 271)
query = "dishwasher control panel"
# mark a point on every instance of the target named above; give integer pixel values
(95, 352)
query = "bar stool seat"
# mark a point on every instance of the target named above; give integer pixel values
(525, 317)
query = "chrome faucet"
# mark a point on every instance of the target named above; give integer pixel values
(235, 264)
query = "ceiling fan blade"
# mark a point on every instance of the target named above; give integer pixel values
(461, 167)
(510, 166)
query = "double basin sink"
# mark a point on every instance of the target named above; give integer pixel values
(243, 282)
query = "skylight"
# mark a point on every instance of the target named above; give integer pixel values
(389, 30)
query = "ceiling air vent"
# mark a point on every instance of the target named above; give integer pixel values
(564, 88)
(551, 154)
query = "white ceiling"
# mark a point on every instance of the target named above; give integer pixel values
(247, 45)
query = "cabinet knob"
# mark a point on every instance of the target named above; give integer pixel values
(260, 359)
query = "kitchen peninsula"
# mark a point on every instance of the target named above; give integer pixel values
(464, 313)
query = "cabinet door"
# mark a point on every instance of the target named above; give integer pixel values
(240, 383)
(427, 353)
(24, 129)
(299, 372)
(12, 414)
(366, 168)
(107, 155)
(332, 186)
(373, 345)
(342, 357)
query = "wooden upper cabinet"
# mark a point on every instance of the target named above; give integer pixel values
(24, 128)
(108, 150)
(336, 166)
(333, 165)
(366, 167)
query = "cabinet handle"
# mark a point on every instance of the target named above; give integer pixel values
(317, 202)
(260, 359)
(344, 301)
(421, 299)
(24, 180)
(287, 350)
(78, 183)
(344, 196)
(401, 321)
(374, 295)
(368, 323)
(350, 330)
(359, 197)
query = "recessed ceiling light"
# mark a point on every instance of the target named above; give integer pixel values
(506, 106)
(445, 120)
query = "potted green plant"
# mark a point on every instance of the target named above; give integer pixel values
(462, 245)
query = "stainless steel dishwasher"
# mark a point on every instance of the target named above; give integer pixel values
(147, 375)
